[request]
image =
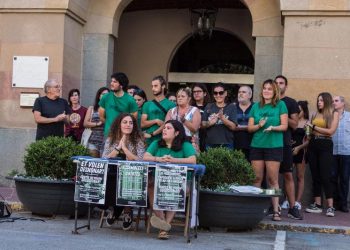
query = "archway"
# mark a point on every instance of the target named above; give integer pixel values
(222, 58)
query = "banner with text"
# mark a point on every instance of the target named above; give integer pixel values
(90, 184)
(132, 184)
(170, 188)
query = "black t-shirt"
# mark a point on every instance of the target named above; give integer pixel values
(293, 108)
(50, 108)
(219, 133)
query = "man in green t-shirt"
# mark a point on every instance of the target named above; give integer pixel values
(116, 102)
(154, 112)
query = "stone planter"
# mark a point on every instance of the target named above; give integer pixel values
(47, 197)
(235, 211)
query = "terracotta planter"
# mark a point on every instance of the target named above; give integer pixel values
(235, 211)
(47, 197)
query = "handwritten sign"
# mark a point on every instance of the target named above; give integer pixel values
(170, 188)
(132, 184)
(90, 184)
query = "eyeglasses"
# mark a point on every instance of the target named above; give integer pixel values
(219, 92)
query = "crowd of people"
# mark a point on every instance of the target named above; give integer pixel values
(276, 134)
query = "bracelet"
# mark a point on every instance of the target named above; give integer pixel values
(116, 149)
(313, 127)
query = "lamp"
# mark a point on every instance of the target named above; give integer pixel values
(203, 19)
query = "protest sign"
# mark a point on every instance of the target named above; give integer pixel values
(132, 184)
(170, 188)
(90, 184)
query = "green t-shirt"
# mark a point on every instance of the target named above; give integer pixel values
(154, 112)
(272, 139)
(187, 150)
(114, 106)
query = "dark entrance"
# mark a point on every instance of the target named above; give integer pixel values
(222, 53)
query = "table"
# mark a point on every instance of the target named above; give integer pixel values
(197, 169)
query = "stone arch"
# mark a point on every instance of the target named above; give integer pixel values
(188, 36)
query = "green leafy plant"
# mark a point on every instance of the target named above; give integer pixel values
(51, 157)
(225, 167)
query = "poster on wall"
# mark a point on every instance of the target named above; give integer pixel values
(90, 184)
(170, 188)
(132, 184)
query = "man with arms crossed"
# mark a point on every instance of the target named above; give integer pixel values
(286, 167)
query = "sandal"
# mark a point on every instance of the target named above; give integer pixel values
(276, 216)
(160, 223)
(163, 235)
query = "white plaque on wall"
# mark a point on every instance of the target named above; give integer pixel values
(27, 99)
(30, 71)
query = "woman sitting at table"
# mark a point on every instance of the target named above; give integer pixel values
(172, 148)
(125, 142)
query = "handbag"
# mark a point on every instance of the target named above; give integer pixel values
(86, 134)
(85, 137)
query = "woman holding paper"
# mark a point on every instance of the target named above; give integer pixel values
(172, 148)
(124, 141)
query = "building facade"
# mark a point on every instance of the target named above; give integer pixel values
(87, 40)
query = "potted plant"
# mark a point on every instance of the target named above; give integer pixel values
(220, 207)
(47, 188)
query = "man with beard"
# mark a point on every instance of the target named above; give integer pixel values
(154, 112)
(242, 137)
(117, 101)
(286, 167)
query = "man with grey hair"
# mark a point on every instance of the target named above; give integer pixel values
(341, 152)
(242, 137)
(50, 111)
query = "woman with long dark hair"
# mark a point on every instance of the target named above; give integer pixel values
(200, 99)
(300, 143)
(92, 120)
(320, 152)
(172, 148)
(140, 98)
(268, 119)
(75, 127)
(124, 141)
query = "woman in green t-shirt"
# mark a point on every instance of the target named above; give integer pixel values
(268, 119)
(172, 148)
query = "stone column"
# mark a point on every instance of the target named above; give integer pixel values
(98, 58)
(268, 60)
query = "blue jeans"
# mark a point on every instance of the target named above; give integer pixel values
(341, 176)
(229, 146)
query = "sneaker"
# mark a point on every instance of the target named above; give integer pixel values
(298, 205)
(127, 220)
(330, 212)
(314, 208)
(110, 219)
(294, 213)
(285, 205)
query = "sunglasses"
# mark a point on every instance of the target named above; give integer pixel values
(218, 93)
